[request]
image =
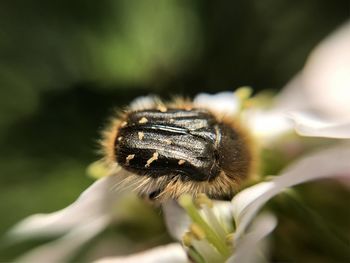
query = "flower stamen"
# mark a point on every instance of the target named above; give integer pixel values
(211, 235)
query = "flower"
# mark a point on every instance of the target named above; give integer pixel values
(205, 226)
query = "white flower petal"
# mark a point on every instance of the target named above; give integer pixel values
(326, 75)
(248, 196)
(62, 249)
(172, 253)
(330, 163)
(223, 102)
(93, 203)
(247, 250)
(324, 83)
(144, 102)
(267, 124)
(176, 219)
(206, 250)
(222, 211)
(293, 96)
(308, 125)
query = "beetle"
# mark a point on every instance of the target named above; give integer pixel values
(169, 149)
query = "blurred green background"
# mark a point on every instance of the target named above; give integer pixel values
(66, 65)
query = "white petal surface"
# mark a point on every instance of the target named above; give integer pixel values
(223, 212)
(293, 96)
(267, 124)
(206, 250)
(223, 102)
(93, 203)
(308, 125)
(62, 249)
(247, 250)
(326, 75)
(176, 219)
(144, 102)
(324, 83)
(173, 253)
(330, 163)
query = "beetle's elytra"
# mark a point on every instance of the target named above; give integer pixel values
(176, 150)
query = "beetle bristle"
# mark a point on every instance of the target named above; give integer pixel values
(109, 135)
